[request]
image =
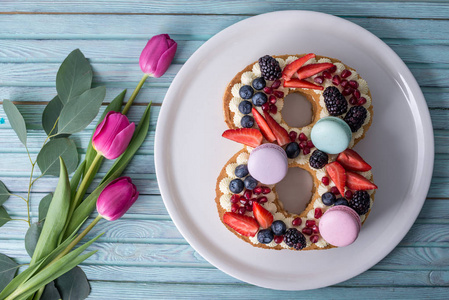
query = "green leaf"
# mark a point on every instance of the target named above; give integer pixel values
(32, 236)
(51, 292)
(74, 182)
(48, 157)
(74, 76)
(44, 205)
(73, 284)
(16, 120)
(51, 115)
(4, 193)
(56, 217)
(78, 113)
(4, 216)
(8, 269)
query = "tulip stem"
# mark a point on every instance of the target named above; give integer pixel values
(134, 94)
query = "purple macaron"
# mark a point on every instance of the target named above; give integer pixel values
(268, 163)
(340, 226)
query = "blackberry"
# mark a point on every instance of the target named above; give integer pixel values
(356, 117)
(336, 103)
(318, 159)
(360, 202)
(294, 238)
(270, 68)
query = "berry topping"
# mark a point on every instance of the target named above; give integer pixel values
(278, 227)
(307, 231)
(333, 69)
(246, 92)
(325, 180)
(293, 135)
(297, 221)
(310, 144)
(273, 109)
(272, 99)
(354, 84)
(279, 94)
(348, 195)
(318, 213)
(338, 175)
(352, 161)
(241, 210)
(315, 229)
(336, 80)
(353, 100)
(268, 90)
(356, 117)
(306, 150)
(318, 159)
(235, 207)
(357, 182)
(344, 83)
(300, 83)
(247, 122)
(259, 83)
(279, 132)
(294, 66)
(292, 150)
(334, 190)
(345, 73)
(328, 198)
(294, 238)
(247, 194)
(341, 201)
(312, 69)
(360, 202)
(249, 207)
(302, 136)
(266, 190)
(257, 190)
(259, 99)
(327, 74)
(314, 238)
(265, 236)
(336, 103)
(250, 182)
(362, 101)
(319, 79)
(356, 94)
(248, 136)
(266, 106)
(245, 107)
(263, 126)
(244, 225)
(270, 68)
(235, 198)
(262, 200)
(263, 216)
(241, 171)
(276, 84)
(347, 91)
(236, 186)
(278, 239)
(310, 223)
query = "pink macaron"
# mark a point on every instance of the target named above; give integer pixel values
(268, 163)
(340, 226)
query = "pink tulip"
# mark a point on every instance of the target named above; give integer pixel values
(157, 55)
(116, 198)
(113, 134)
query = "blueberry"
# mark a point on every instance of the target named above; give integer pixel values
(328, 198)
(259, 83)
(245, 107)
(250, 182)
(259, 99)
(236, 186)
(278, 227)
(265, 236)
(247, 122)
(341, 201)
(241, 171)
(292, 150)
(246, 92)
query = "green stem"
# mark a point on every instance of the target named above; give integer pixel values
(18, 196)
(20, 220)
(134, 94)
(83, 186)
(29, 193)
(39, 293)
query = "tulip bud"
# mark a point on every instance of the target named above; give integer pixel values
(116, 198)
(113, 134)
(157, 55)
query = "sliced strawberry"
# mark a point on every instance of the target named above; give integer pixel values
(357, 182)
(245, 225)
(300, 83)
(279, 132)
(352, 161)
(292, 67)
(248, 136)
(312, 69)
(263, 126)
(338, 175)
(263, 216)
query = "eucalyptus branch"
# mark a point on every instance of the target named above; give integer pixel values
(18, 196)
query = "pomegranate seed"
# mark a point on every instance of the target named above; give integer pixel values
(356, 93)
(353, 100)
(314, 238)
(279, 94)
(292, 134)
(310, 144)
(278, 239)
(254, 200)
(273, 109)
(362, 101)
(250, 202)
(348, 195)
(303, 137)
(336, 80)
(307, 231)
(334, 190)
(347, 91)
(241, 210)
(249, 207)
(344, 83)
(272, 99)
(354, 84)
(332, 69)
(315, 229)
(243, 200)
(235, 198)
(262, 199)
(265, 190)
(345, 73)
(257, 190)
(318, 213)
(268, 90)
(296, 221)
(303, 144)
(247, 194)
(276, 84)
(306, 150)
(310, 223)
(319, 79)
(234, 207)
(325, 180)
(266, 107)
(327, 75)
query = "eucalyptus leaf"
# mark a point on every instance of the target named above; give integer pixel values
(73, 285)
(8, 269)
(4, 216)
(78, 113)
(74, 76)
(50, 116)
(44, 204)
(32, 236)
(51, 292)
(16, 120)
(4, 193)
(48, 157)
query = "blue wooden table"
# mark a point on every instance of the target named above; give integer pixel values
(143, 255)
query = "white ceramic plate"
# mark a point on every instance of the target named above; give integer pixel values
(190, 151)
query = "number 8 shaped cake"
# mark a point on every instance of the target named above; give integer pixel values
(343, 188)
